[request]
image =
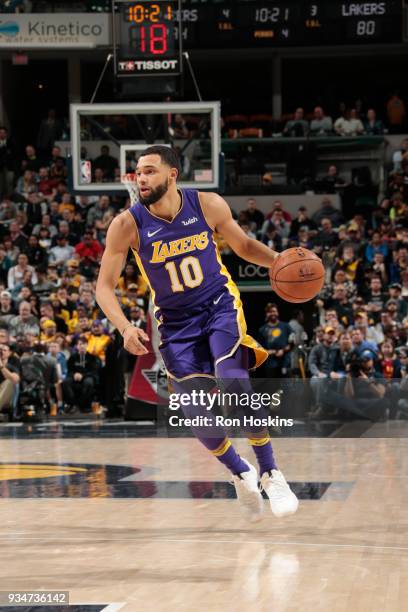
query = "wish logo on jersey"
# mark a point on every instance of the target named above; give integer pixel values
(165, 250)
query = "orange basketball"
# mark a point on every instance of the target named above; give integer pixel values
(297, 275)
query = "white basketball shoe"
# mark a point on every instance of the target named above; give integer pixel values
(248, 494)
(282, 499)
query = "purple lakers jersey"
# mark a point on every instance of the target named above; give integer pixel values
(179, 259)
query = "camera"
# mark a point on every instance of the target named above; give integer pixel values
(355, 368)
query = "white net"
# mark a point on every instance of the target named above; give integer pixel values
(129, 181)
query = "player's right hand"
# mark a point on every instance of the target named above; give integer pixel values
(133, 339)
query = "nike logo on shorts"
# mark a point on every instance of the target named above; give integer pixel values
(150, 234)
(217, 300)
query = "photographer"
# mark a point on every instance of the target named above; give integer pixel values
(9, 377)
(39, 375)
(365, 388)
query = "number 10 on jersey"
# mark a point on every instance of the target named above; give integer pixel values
(189, 271)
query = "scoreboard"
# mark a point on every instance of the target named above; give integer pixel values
(291, 23)
(150, 35)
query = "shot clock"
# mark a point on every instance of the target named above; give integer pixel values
(147, 38)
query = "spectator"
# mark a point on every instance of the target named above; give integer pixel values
(131, 275)
(55, 351)
(56, 156)
(17, 237)
(303, 239)
(255, 216)
(65, 229)
(137, 317)
(271, 237)
(332, 181)
(106, 163)
(7, 309)
(24, 322)
(349, 124)
(62, 252)
(327, 211)
(302, 220)
(80, 385)
(7, 162)
(340, 303)
(50, 131)
(5, 264)
(89, 249)
(16, 273)
(376, 245)
(8, 210)
(9, 377)
(45, 222)
(351, 265)
(98, 211)
(178, 128)
(59, 173)
(11, 249)
(66, 204)
(375, 297)
(98, 341)
(30, 161)
(282, 227)
(297, 339)
(326, 238)
(360, 344)
(62, 369)
(369, 331)
(373, 126)
(321, 125)
(400, 155)
(389, 365)
(44, 286)
(275, 337)
(319, 362)
(36, 254)
(45, 184)
(49, 328)
(395, 113)
(297, 127)
(277, 205)
(247, 229)
(340, 356)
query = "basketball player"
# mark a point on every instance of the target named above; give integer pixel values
(197, 306)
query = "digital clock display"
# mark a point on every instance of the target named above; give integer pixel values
(148, 40)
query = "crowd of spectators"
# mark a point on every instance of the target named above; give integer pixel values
(361, 326)
(51, 243)
(349, 121)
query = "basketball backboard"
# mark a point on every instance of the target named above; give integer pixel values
(106, 140)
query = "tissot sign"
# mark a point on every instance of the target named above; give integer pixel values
(30, 31)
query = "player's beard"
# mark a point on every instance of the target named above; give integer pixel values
(155, 194)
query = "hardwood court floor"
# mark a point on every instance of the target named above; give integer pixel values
(170, 538)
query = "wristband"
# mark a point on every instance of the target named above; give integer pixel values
(125, 328)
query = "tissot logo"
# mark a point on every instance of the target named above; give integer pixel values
(190, 221)
(148, 65)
